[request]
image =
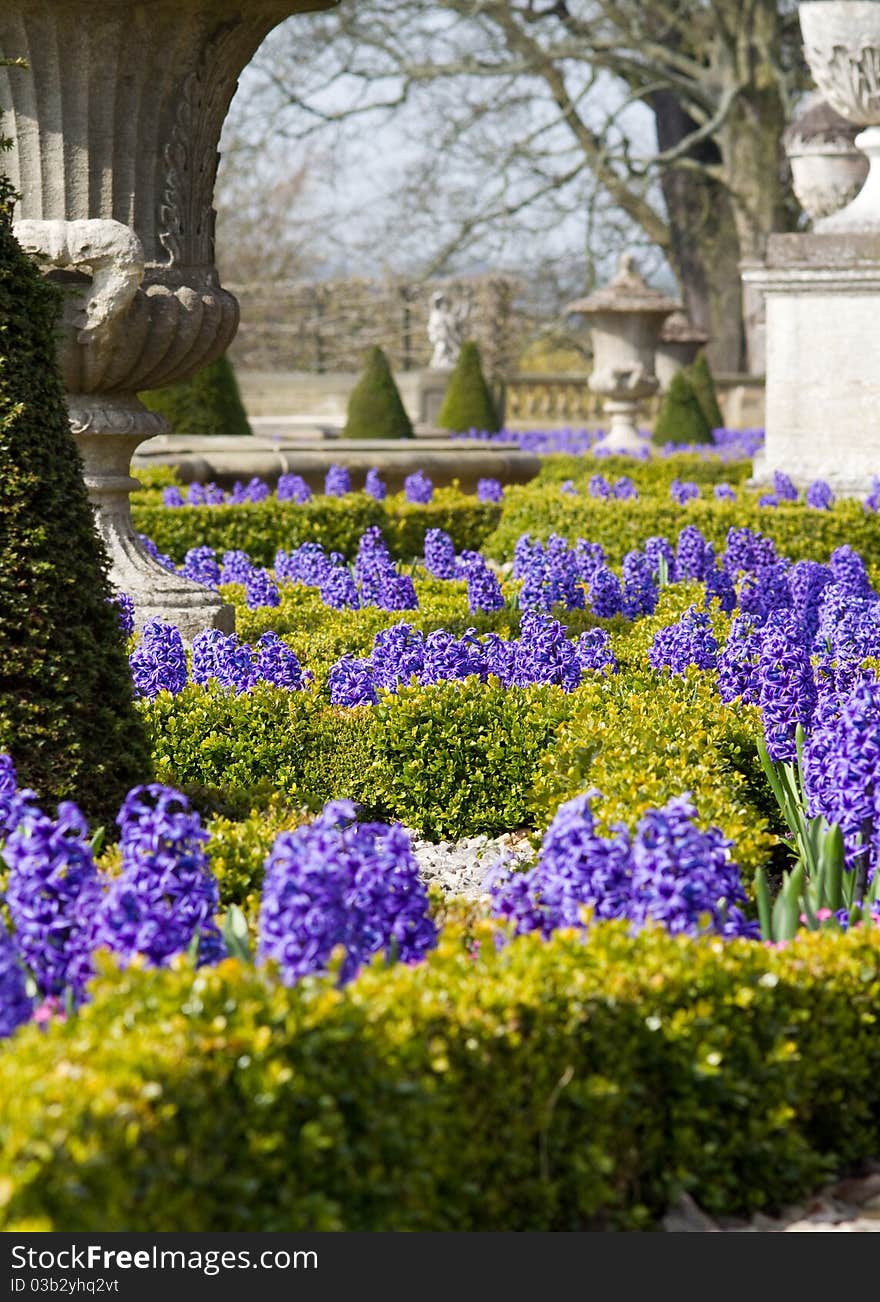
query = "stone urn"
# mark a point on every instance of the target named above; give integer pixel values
(115, 124)
(827, 169)
(842, 47)
(625, 319)
(680, 341)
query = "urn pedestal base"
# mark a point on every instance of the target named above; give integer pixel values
(823, 359)
(107, 432)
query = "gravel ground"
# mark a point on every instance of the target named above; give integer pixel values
(465, 868)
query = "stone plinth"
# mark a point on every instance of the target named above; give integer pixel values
(223, 459)
(432, 390)
(823, 358)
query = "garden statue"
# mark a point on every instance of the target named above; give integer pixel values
(115, 125)
(446, 330)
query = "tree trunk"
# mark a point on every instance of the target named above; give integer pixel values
(704, 240)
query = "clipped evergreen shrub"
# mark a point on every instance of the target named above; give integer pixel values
(700, 376)
(468, 403)
(546, 1085)
(66, 710)
(375, 408)
(681, 418)
(209, 403)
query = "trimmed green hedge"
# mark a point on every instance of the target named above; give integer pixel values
(260, 528)
(563, 1085)
(620, 525)
(652, 476)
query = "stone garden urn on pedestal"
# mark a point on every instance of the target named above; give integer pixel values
(680, 341)
(625, 319)
(115, 124)
(842, 47)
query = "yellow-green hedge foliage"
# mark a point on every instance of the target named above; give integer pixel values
(563, 1085)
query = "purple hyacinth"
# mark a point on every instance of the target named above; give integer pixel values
(439, 554)
(165, 895)
(657, 550)
(695, 557)
(306, 564)
(606, 593)
(723, 492)
(588, 556)
(490, 490)
(15, 1006)
(350, 682)
(195, 495)
(639, 593)
(593, 650)
(336, 882)
(872, 501)
(52, 893)
(337, 481)
(807, 580)
(719, 587)
(624, 488)
(849, 573)
(783, 487)
(670, 873)
(125, 612)
(277, 664)
(236, 567)
(683, 491)
(788, 692)
(820, 496)
(292, 488)
(260, 589)
(224, 658)
(418, 488)
(599, 486)
(338, 589)
(545, 655)
(172, 496)
(567, 487)
(842, 771)
(484, 590)
(690, 641)
(397, 592)
(766, 590)
(373, 565)
(255, 490)
(374, 486)
(738, 661)
(200, 565)
(748, 552)
(768, 500)
(158, 662)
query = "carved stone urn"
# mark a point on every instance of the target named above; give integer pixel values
(115, 124)
(680, 341)
(827, 169)
(842, 47)
(625, 317)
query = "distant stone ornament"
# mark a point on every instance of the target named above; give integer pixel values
(842, 47)
(447, 322)
(625, 319)
(115, 123)
(827, 169)
(680, 341)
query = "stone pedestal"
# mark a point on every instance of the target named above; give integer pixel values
(823, 358)
(432, 390)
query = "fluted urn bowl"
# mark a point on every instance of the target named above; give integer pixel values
(842, 47)
(115, 120)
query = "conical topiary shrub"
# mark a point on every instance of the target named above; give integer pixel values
(468, 403)
(209, 403)
(681, 418)
(66, 705)
(703, 385)
(375, 408)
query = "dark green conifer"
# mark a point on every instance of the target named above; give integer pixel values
(681, 418)
(468, 403)
(209, 403)
(375, 408)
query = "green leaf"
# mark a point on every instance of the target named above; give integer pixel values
(236, 935)
(762, 892)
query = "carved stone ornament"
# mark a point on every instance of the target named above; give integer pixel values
(842, 47)
(827, 169)
(625, 317)
(115, 124)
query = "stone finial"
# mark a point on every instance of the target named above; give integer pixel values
(679, 329)
(625, 292)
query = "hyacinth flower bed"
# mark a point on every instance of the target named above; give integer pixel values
(243, 1006)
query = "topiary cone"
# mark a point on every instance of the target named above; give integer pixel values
(468, 403)
(375, 409)
(681, 418)
(209, 403)
(67, 715)
(700, 376)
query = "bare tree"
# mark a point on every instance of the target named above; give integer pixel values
(659, 119)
